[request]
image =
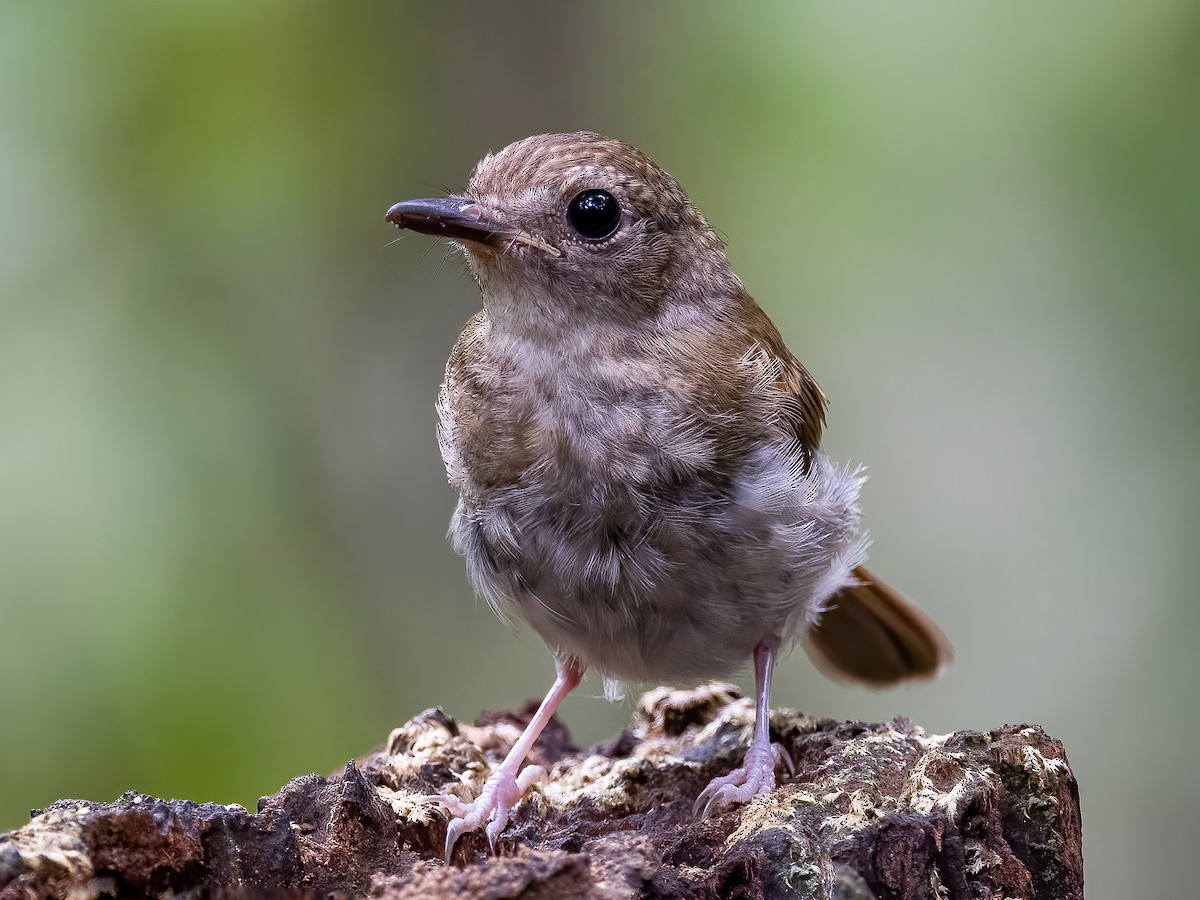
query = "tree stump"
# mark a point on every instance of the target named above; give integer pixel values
(871, 811)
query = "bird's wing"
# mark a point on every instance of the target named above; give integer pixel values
(799, 403)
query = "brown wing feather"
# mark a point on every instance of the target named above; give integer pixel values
(873, 635)
(482, 408)
(801, 409)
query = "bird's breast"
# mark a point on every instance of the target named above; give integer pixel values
(576, 421)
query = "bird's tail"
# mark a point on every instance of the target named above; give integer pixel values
(872, 635)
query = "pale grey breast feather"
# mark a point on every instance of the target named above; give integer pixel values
(633, 595)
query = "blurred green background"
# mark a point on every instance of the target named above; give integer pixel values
(222, 510)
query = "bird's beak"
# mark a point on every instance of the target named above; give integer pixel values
(462, 220)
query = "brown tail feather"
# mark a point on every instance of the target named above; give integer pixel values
(872, 635)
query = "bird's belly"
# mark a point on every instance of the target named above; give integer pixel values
(664, 582)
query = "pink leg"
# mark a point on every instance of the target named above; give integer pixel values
(757, 774)
(504, 788)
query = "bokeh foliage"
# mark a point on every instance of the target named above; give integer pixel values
(221, 508)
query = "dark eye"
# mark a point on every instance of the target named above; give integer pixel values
(594, 214)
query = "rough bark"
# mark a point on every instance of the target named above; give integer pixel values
(872, 811)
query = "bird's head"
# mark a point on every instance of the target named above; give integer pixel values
(568, 225)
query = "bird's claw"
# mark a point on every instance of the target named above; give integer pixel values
(493, 805)
(755, 777)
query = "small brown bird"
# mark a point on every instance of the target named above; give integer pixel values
(637, 453)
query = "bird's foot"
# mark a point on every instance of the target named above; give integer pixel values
(502, 791)
(755, 778)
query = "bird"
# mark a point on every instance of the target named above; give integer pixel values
(637, 455)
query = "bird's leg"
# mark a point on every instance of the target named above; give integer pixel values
(505, 787)
(757, 773)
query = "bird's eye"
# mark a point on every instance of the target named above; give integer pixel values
(595, 214)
